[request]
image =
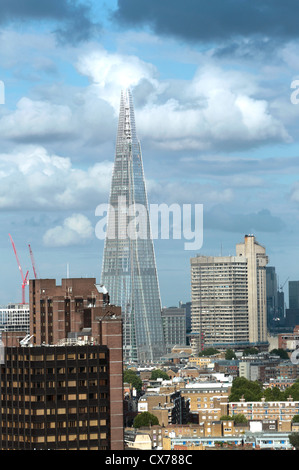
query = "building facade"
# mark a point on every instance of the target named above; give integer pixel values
(76, 312)
(174, 327)
(14, 317)
(229, 298)
(257, 260)
(219, 301)
(207, 401)
(56, 397)
(282, 411)
(272, 296)
(129, 267)
(294, 295)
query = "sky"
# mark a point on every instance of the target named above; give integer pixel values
(214, 90)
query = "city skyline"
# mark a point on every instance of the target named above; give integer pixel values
(216, 119)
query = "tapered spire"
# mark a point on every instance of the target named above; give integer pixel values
(129, 268)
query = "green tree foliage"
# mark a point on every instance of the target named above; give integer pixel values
(294, 439)
(253, 391)
(239, 418)
(132, 378)
(145, 419)
(280, 352)
(159, 374)
(274, 394)
(292, 391)
(208, 352)
(249, 351)
(229, 354)
(241, 387)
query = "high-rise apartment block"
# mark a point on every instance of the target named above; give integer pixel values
(66, 391)
(229, 298)
(257, 260)
(129, 267)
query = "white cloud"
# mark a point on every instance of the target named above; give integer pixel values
(213, 109)
(75, 229)
(31, 178)
(216, 108)
(112, 72)
(35, 119)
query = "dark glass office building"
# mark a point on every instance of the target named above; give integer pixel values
(55, 397)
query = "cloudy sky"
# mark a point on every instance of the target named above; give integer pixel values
(212, 88)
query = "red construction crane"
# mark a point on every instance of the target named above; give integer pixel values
(24, 279)
(33, 262)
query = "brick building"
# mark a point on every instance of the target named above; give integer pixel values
(59, 311)
(289, 341)
(77, 314)
(207, 401)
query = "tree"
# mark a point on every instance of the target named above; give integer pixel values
(159, 374)
(239, 418)
(249, 351)
(241, 387)
(208, 352)
(132, 378)
(145, 419)
(230, 354)
(282, 353)
(273, 394)
(292, 391)
(294, 439)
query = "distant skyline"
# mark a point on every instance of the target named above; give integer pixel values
(212, 85)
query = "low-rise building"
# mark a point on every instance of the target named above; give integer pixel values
(282, 411)
(206, 399)
(201, 361)
(171, 408)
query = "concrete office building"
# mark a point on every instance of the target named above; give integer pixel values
(229, 298)
(257, 260)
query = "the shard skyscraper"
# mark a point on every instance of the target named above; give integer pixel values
(129, 268)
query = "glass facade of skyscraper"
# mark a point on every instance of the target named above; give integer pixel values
(129, 268)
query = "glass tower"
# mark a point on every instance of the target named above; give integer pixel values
(129, 268)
